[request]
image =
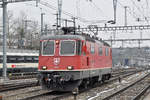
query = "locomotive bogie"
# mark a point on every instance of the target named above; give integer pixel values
(63, 78)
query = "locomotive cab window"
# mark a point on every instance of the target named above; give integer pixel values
(100, 51)
(48, 48)
(67, 47)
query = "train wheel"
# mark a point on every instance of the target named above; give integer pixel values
(103, 78)
(92, 82)
(84, 84)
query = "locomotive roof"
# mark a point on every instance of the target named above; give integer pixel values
(49, 37)
(80, 37)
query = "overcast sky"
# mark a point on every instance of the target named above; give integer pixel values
(95, 10)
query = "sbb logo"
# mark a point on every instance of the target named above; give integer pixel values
(56, 61)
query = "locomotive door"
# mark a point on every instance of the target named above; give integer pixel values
(92, 59)
(100, 57)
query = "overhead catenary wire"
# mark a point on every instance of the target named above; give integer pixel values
(133, 15)
(67, 13)
(128, 10)
(140, 11)
(84, 20)
(71, 15)
(144, 6)
(99, 9)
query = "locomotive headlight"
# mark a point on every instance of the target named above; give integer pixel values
(44, 67)
(70, 67)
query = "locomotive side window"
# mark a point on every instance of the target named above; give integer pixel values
(78, 47)
(48, 48)
(20, 59)
(100, 51)
(67, 47)
(106, 51)
(92, 47)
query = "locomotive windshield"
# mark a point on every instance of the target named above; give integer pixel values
(67, 47)
(47, 48)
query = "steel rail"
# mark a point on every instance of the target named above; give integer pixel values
(24, 92)
(138, 96)
(51, 95)
(16, 86)
(64, 95)
(110, 81)
(125, 88)
(36, 95)
(26, 75)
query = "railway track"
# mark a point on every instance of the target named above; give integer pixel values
(139, 95)
(36, 93)
(14, 94)
(17, 85)
(28, 95)
(116, 91)
(131, 91)
(118, 72)
(59, 96)
(25, 75)
(98, 92)
(49, 95)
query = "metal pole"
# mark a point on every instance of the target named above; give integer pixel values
(4, 39)
(125, 16)
(59, 12)
(42, 14)
(139, 44)
(65, 23)
(115, 8)
(122, 44)
(45, 31)
(26, 21)
(74, 24)
(111, 41)
(57, 21)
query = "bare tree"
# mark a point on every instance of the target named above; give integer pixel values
(20, 30)
(22, 34)
(11, 32)
(33, 35)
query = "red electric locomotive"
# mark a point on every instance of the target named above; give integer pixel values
(69, 61)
